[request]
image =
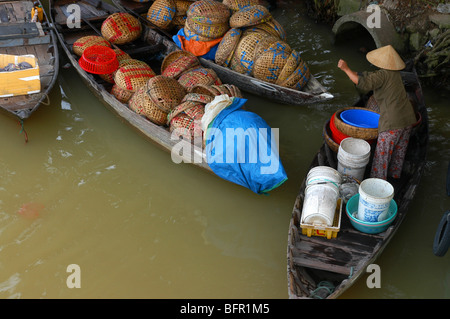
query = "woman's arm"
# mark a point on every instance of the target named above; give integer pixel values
(353, 76)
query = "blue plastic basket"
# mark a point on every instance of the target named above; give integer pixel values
(360, 118)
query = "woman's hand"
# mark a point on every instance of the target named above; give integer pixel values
(353, 76)
(342, 65)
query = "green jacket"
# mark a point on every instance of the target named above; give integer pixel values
(396, 111)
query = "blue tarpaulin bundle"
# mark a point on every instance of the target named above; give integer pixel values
(242, 148)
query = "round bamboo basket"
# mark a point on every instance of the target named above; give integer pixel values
(272, 27)
(121, 94)
(289, 67)
(190, 33)
(211, 31)
(244, 55)
(161, 13)
(236, 5)
(131, 77)
(275, 25)
(193, 77)
(205, 90)
(269, 65)
(121, 28)
(84, 42)
(328, 139)
(176, 63)
(181, 7)
(208, 12)
(197, 97)
(234, 90)
(353, 131)
(122, 57)
(227, 45)
(165, 92)
(298, 79)
(185, 118)
(179, 21)
(249, 16)
(142, 104)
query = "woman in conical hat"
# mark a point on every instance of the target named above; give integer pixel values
(397, 115)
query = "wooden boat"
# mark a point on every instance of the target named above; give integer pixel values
(20, 36)
(313, 92)
(318, 267)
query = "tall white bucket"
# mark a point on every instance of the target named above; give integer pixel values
(375, 196)
(353, 157)
(321, 195)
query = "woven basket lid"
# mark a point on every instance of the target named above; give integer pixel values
(243, 57)
(211, 31)
(271, 27)
(193, 35)
(193, 77)
(250, 16)
(227, 46)
(205, 90)
(121, 94)
(208, 12)
(165, 92)
(197, 97)
(298, 79)
(84, 42)
(142, 104)
(161, 13)
(278, 28)
(131, 77)
(289, 67)
(121, 28)
(178, 62)
(236, 5)
(269, 65)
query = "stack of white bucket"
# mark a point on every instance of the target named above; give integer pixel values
(353, 157)
(321, 195)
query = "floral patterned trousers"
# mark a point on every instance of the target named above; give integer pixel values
(390, 153)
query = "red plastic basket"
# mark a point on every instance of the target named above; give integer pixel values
(98, 59)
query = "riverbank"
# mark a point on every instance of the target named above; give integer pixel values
(423, 26)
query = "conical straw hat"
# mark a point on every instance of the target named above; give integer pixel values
(386, 58)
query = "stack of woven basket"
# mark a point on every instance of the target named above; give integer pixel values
(255, 45)
(167, 14)
(206, 20)
(129, 78)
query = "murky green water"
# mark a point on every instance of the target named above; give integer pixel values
(140, 226)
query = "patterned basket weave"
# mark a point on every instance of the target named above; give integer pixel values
(243, 57)
(181, 7)
(161, 13)
(271, 27)
(131, 77)
(122, 57)
(185, 118)
(142, 104)
(191, 34)
(289, 67)
(177, 62)
(179, 21)
(278, 28)
(269, 65)
(121, 28)
(165, 92)
(197, 97)
(226, 47)
(205, 90)
(84, 42)
(298, 79)
(214, 90)
(211, 31)
(208, 12)
(193, 77)
(250, 16)
(236, 5)
(121, 94)
(353, 131)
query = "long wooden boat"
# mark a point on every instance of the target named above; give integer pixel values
(318, 267)
(20, 36)
(313, 92)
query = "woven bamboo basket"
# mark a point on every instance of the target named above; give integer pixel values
(85, 42)
(122, 57)
(353, 131)
(185, 118)
(236, 5)
(244, 55)
(289, 67)
(328, 139)
(161, 13)
(278, 28)
(131, 77)
(197, 97)
(178, 62)
(211, 31)
(227, 45)
(208, 12)
(121, 94)
(269, 65)
(165, 92)
(121, 28)
(234, 90)
(179, 21)
(193, 77)
(191, 34)
(271, 27)
(205, 90)
(298, 79)
(141, 1)
(250, 15)
(142, 104)
(181, 7)
(372, 104)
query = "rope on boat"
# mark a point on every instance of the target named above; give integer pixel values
(327, 285)
(23, 130)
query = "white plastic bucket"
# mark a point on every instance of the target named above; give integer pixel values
(321, 195)
(353, 157)
(375, 196)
